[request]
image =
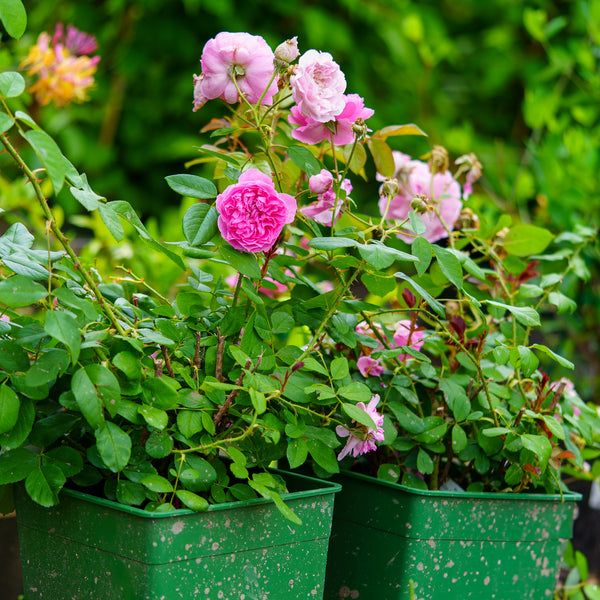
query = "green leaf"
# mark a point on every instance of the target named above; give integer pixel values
(128, 363)
(50, 155)
(378, 285)
(63, 327)
(9, 408)
(304, 159)
(323, 455)
(339, 368)
(523, 358)
(157, 484)
(130, 493)
(495, 431)
(20, 291)
(523, 314)
(524, 240)
(192, 501)
(450, 266)
(592, 591)
(358, 415)
(19, 433)
(406, 418)
(540, 446)
(44, 483)
(382, 156)
(155, 417)
(6, 122)
(355, 391)
(13, 17)
(554, 426)
(259, 402)
(563, 303)
(459, 439)
(16, 465)
(242, 262)
(200, 224)
(201, 476)
(68, 460)
(422, 249)
(192, 186)
(389, 472)
(47, 367)
(381, 257)
(395, 130)
(297, 452)
(111, 219)
(189, 422)
(95, 388)
(12, 83)
(332, 243)
(559, 359)
(159, 444)
(424, 462)
(114, 446)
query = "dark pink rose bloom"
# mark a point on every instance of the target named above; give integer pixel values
(369, 367)
(415, 178)
(252, 213)
(363, 439)
(311, 131)
(318, 86)
(247, 57)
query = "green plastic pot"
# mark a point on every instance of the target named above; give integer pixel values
(391, 542)
(88, 548)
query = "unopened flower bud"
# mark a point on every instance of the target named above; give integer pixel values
(467, 220)
(439, 159)
(321, 183)
(420, 204)
(409, 298)
(287, 51)
(360, 128)
(472, 165)
(390, 188)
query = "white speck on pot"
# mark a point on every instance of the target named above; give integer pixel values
(177, 527)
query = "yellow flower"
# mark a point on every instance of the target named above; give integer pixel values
(60, 74)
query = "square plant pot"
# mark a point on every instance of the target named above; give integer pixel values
(391, 542)
(88, 548)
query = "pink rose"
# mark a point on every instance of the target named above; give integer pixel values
(321, 183)
(246, 57)
(369, 367)
(311, 131)
(367, 436)
(414, 177)
(318, 86)
(407, 335)
(252, 213)
(322, 211)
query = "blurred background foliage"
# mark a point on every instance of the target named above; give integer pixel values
(516, 82)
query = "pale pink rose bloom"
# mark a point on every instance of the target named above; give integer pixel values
(311, 131)
(322, 211)
(321, 183)
(318, 86)
(407, 335)
(368, 436)
(252, 213)
(5, 318)
(414, 177)
(369, 367)
(246, 56)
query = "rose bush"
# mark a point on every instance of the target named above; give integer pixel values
(417, 353)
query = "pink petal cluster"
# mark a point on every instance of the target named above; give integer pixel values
(415, 178)
(60, 66)
(245, 57)
(312, 131)
(325, 209)
(252, 213)
(407, 334)
(369, 367)
(287, 51)
(278, 290)
(368, 436)
(318, 86)
(321, 183)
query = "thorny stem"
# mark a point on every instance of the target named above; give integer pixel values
(219, 361)
(167, 360)
(60, 235)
